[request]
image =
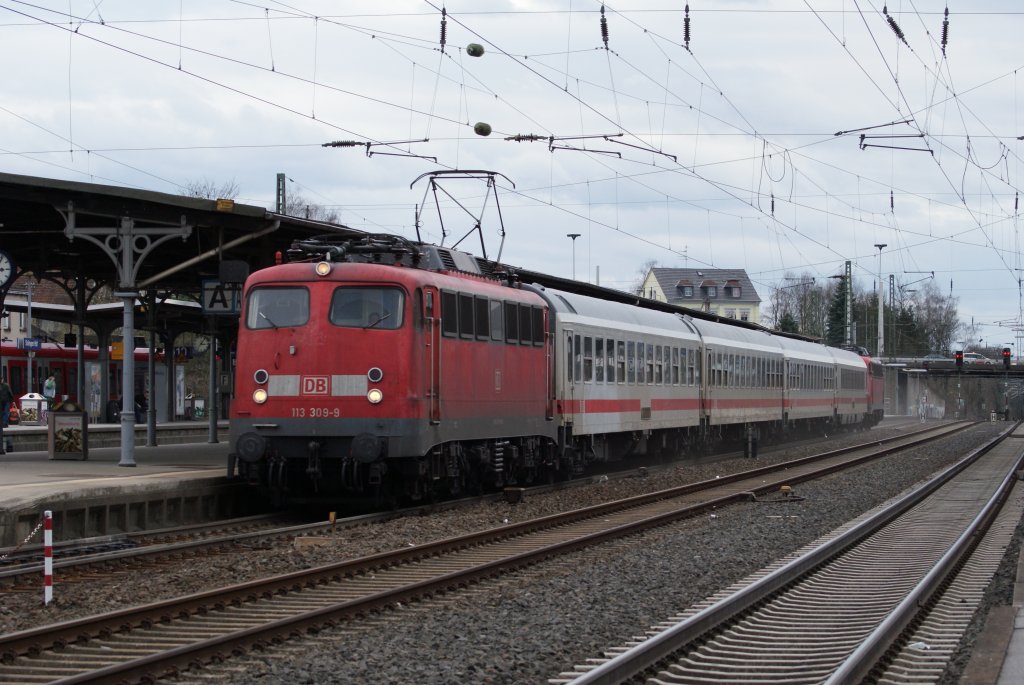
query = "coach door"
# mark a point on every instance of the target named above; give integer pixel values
(432, 341)
(573, 373)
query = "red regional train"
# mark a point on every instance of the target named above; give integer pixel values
(62, 362)
(382, 368)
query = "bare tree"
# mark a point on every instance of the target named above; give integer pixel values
(296, 205)
(937, 317)
(209, 190)
(641, 275)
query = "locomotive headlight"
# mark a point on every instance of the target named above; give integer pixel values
(259, 395)
(374, 396)
(323, 268)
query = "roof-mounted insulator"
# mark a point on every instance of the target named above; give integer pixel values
(945, 31)
(444, 27)
(894, 26)
(604, 28)
(686, 27)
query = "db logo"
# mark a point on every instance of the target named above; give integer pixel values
(315, 385)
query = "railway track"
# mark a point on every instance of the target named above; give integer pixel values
(164, 637)
(888, 595)
(108, 556)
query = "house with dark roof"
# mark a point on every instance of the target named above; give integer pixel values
(725, 292)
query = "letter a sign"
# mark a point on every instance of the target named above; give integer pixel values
(221, 298)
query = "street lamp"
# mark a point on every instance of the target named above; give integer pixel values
(881, 303)
(574, 236)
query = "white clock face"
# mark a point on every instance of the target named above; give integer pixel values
(6, 268)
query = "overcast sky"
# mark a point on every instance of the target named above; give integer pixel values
(722, 155)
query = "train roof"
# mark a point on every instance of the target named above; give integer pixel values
(574, 304)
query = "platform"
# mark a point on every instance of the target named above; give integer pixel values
(180, 480)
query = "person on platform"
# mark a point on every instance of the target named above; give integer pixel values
(6, 397)
(50, 393)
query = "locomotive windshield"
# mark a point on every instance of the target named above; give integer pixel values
(355, 307)
(277, 307)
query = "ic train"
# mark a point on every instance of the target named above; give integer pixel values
(378, 367)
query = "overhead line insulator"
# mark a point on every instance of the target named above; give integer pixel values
(686, 26)
(894, 26)
(945, 31)
(604, 28)
(444, 28)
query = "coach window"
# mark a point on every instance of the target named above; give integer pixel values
(675, 365)
(659, 369)
(483, 312)
(650, 363)
(620, 363)
(577, 359)
(588, 359)
(641, 363)
(497, 319)
(278, 307)
(631, 362)
(599, 360)
(610, 358)
(511, 322)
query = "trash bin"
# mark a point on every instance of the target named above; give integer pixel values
(32, 407)
(67, 435)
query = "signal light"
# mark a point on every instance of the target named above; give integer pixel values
(959, 357)
(1006, 357)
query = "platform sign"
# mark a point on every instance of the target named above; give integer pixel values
(31, 344)
(221, 298)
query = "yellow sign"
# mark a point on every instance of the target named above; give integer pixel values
(117, 350)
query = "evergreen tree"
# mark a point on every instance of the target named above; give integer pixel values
(835, 333)
(788, 323)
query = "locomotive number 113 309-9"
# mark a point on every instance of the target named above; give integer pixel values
(316, 413)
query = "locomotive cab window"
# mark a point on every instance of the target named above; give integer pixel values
(357, 307)
(277, 307)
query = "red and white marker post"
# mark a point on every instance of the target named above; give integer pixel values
(47, 557)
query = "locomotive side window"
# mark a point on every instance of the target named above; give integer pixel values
(449, 314)
(525, 317)
(466, 328)
(277, 307)
(497, 318)
(511, 322)
(368, 307)
(483, 313)
(538, 326)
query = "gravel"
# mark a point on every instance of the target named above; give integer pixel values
(530, 627)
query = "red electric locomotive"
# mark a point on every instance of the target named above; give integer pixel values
(388, 369)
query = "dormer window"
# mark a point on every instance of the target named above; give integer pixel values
(687, 291)
(712, 291)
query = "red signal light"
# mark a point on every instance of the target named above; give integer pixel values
(959, 357)
(1007, 356)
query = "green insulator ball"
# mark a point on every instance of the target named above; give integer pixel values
(482, 129)
(475, 50)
